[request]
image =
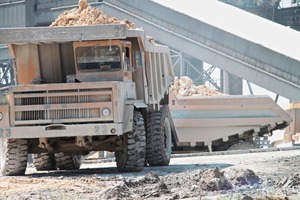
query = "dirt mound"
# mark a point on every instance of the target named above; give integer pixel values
(146, 186)
(240, 177)
(181, 185)
(214, 180)
(86, 15)
(185, 87)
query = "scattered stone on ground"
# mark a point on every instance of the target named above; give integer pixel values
(260, 177)
(292, 181)
(185, 87)
(239, 177)
(182, 185)
(214, 180)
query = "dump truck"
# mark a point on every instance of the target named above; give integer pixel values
(226, 122)
(81, 89)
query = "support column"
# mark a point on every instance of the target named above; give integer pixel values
(194, 74)
(233, 85)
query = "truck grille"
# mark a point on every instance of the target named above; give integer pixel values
(60, 105)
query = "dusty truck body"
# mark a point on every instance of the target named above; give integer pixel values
(81, 89)
(213, 123)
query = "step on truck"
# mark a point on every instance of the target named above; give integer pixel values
(81, 89)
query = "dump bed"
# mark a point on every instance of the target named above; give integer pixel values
(208, 120)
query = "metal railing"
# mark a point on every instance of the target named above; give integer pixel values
(6, 73)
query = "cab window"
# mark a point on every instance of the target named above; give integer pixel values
(98, 58)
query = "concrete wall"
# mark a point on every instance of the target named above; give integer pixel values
(13, 14)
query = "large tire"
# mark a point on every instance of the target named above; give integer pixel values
(14, 154)
(67, 162)
(132, 158)
(44, 161)
(159, 138)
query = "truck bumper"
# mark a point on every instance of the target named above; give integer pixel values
(61, 130)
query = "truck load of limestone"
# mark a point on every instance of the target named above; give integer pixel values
(86, 15)
(184, 86)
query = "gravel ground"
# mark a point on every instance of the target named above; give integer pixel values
(265, 175)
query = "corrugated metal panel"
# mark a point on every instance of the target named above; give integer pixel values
(13, 14)
(4, 53)
(8, 1)
(47, 4)
(44, 15)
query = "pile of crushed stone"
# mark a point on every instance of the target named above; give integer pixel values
(181, 185)
(185, 87)
(86, 15)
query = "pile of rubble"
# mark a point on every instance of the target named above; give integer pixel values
(182, 185)
(86, 15)
(185, 87)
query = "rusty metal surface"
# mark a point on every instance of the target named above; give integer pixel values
(61, 34)
(62, 103)
(63, 131)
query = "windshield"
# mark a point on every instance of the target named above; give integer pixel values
(100, 58)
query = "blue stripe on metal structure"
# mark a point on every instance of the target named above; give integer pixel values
(204, 114)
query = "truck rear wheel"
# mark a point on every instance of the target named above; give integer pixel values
(132, 158)
(158, 138)
(14, 154)
(67, 162)
(44, 161)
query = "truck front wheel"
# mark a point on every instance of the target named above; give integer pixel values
(44, 161)
(158, 138)
(132, 157)
(14, 154)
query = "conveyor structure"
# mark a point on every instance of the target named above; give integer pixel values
(243, 44)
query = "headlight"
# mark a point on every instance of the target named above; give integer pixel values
(1, 116)
(105, 112)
